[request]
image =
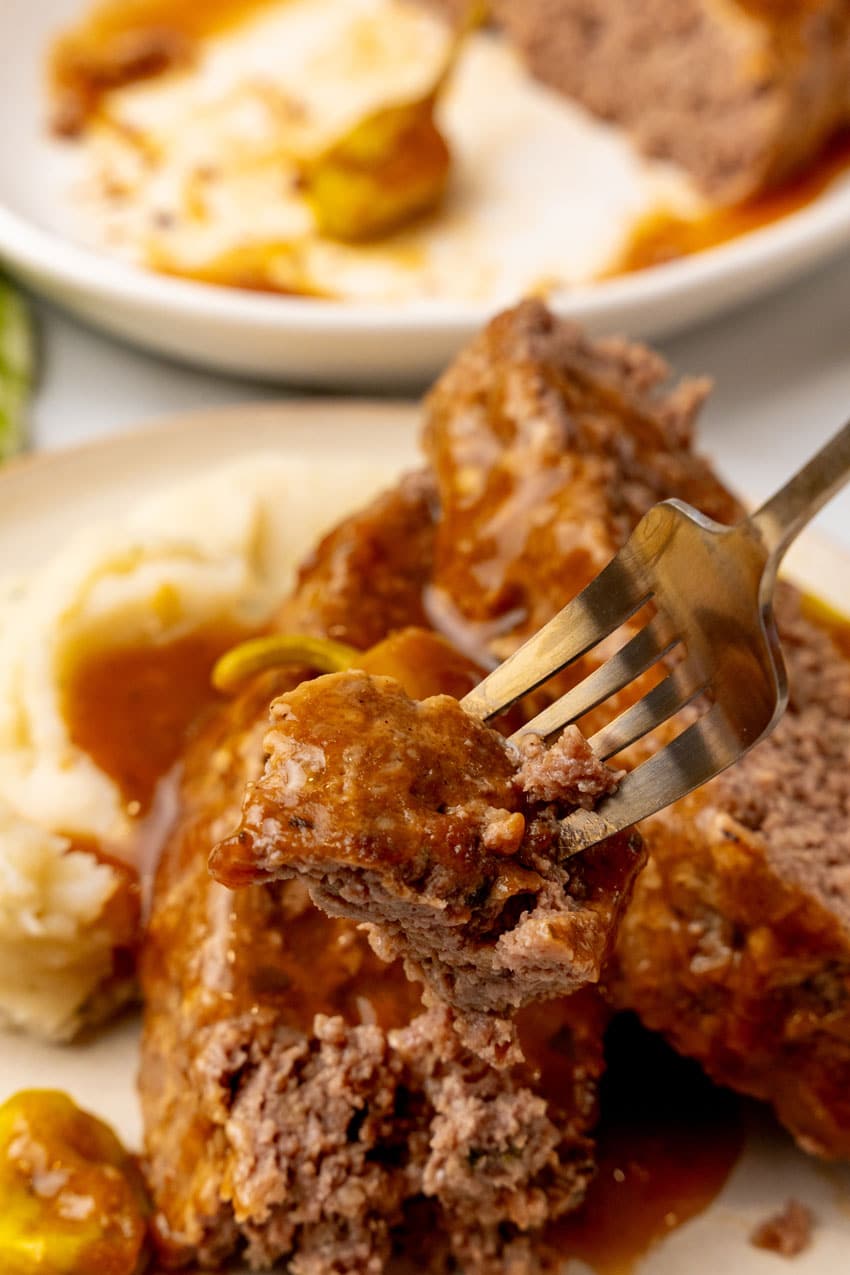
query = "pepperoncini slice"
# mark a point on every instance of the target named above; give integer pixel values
(71, 1198)
(392, 166)
(259, 654)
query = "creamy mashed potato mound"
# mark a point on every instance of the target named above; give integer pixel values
(221, 548)
(56, 935)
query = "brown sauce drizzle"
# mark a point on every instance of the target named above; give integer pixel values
(668, 1141)
(131, 708)
(251, 268)
(662, 236)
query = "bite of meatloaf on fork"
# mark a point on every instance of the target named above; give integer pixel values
(418, 819)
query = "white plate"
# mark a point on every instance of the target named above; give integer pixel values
(45, 499)
(309, 342)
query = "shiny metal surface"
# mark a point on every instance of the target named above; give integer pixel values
(710, 588)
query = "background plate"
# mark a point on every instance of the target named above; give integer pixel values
(45, 499)
(309, 342)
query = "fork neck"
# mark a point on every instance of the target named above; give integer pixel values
(781, 518)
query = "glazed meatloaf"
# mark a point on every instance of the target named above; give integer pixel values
(299, 1105)
(446, 838)
(739, 92)
(737, 946)
(737, 943)
(547, 449)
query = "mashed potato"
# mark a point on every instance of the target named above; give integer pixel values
(222, 548)
(58, 932)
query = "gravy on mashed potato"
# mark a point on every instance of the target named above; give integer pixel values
(104, 660)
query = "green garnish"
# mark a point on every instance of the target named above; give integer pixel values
(16, 369)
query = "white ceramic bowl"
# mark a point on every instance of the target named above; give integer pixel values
(312, 342)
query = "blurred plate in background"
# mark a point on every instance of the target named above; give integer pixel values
(302, 340)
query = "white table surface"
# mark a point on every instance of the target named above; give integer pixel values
(781, 368)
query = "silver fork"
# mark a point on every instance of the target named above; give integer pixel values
(711, 590)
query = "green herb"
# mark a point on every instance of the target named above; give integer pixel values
(16, 369)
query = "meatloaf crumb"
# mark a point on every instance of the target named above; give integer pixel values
(567, 771)
(417, 818)
(788, 1233)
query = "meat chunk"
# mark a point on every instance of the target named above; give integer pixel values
(298, 1104)
(788, 1233)
(740, 94)
(427, 824)
(368, 576)
(737, 942)
(548, 448)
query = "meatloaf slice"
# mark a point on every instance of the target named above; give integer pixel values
(741, 93)
(298, 1106)
(417, 818)
(737, 944)
(548, 448)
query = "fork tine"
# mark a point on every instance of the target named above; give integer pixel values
(702, 751)
(645, 649)
(607, 602)
(677, 690)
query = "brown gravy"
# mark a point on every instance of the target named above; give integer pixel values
(131, 709)
(779, 11)
(249, 267)
(662, 236)
(668, 1141)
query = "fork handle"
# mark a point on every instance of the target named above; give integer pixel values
(783, 517)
